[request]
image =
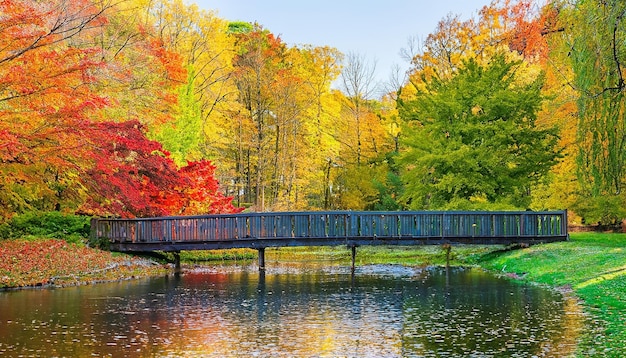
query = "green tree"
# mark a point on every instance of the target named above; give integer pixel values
(471, 141)
(596, 45)
(182, 136)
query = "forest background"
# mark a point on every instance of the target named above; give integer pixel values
(142, 108)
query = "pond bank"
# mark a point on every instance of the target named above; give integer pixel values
(56, 263)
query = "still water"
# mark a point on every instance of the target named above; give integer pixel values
(300, 310)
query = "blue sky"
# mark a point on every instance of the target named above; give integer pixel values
(376, 30)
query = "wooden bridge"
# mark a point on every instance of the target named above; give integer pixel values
(351, 228)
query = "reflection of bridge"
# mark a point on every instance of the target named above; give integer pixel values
(351, 228)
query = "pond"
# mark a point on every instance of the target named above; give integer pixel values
(293, 310)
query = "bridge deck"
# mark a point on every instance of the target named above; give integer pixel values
(278, 229)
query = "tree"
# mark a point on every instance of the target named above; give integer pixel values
(283, 120)
(357, 79)
(597, 50)
(133, 176)
(202, 126)
(45, 100)
(200, 192)
(140, 74)
(361, 135)
(471, 140)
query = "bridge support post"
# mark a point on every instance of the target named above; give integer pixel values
(261, 258)
(353, 248)
(177, 268)
(448, 248)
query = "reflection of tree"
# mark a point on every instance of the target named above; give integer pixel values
(391, 311)
(480, 316)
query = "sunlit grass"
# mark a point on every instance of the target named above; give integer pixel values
(217, 255)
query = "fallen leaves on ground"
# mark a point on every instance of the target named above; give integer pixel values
(26, 263)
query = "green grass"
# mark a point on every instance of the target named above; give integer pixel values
(217, 255)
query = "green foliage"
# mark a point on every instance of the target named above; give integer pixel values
(53, 224)
(471, 140)
(182, 137)
(239, 27)
(597, 44)
(603, 210)
(389, 187)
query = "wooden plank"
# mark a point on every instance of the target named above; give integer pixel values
(408, 225)
(301, 226)
(284, 226)
(317, 225)
(243, 227)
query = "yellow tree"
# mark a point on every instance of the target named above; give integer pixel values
(361, 135)
(140, 75)
(288, 109)
(202, 127)
(321, 66)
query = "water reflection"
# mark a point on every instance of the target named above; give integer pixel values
(381, 311)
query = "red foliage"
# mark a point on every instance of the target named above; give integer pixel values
(131, 175)
(134, 176)
(201, 193)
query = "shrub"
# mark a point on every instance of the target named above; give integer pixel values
(52, 224)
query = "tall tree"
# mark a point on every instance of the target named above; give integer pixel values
(45, 100)
(361, 135)
(202, 127)
(284, 118)
(472, 141)
(359, 86)
(597, 49)
(256, 71)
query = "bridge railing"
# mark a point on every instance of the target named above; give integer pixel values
(335, 225)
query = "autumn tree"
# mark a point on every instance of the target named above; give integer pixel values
(284, 94)
(472, 141)
(597, 49)
(140, 75)
(321, 66)
(45, 100)
(133, 176)
(202, 125)
(361, 135)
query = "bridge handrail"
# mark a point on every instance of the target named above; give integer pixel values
(334, 225)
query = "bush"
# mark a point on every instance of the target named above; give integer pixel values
(53, 224)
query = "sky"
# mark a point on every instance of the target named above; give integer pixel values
(373, 29)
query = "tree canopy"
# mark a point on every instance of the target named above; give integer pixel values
(472, 141)
(137, 108)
